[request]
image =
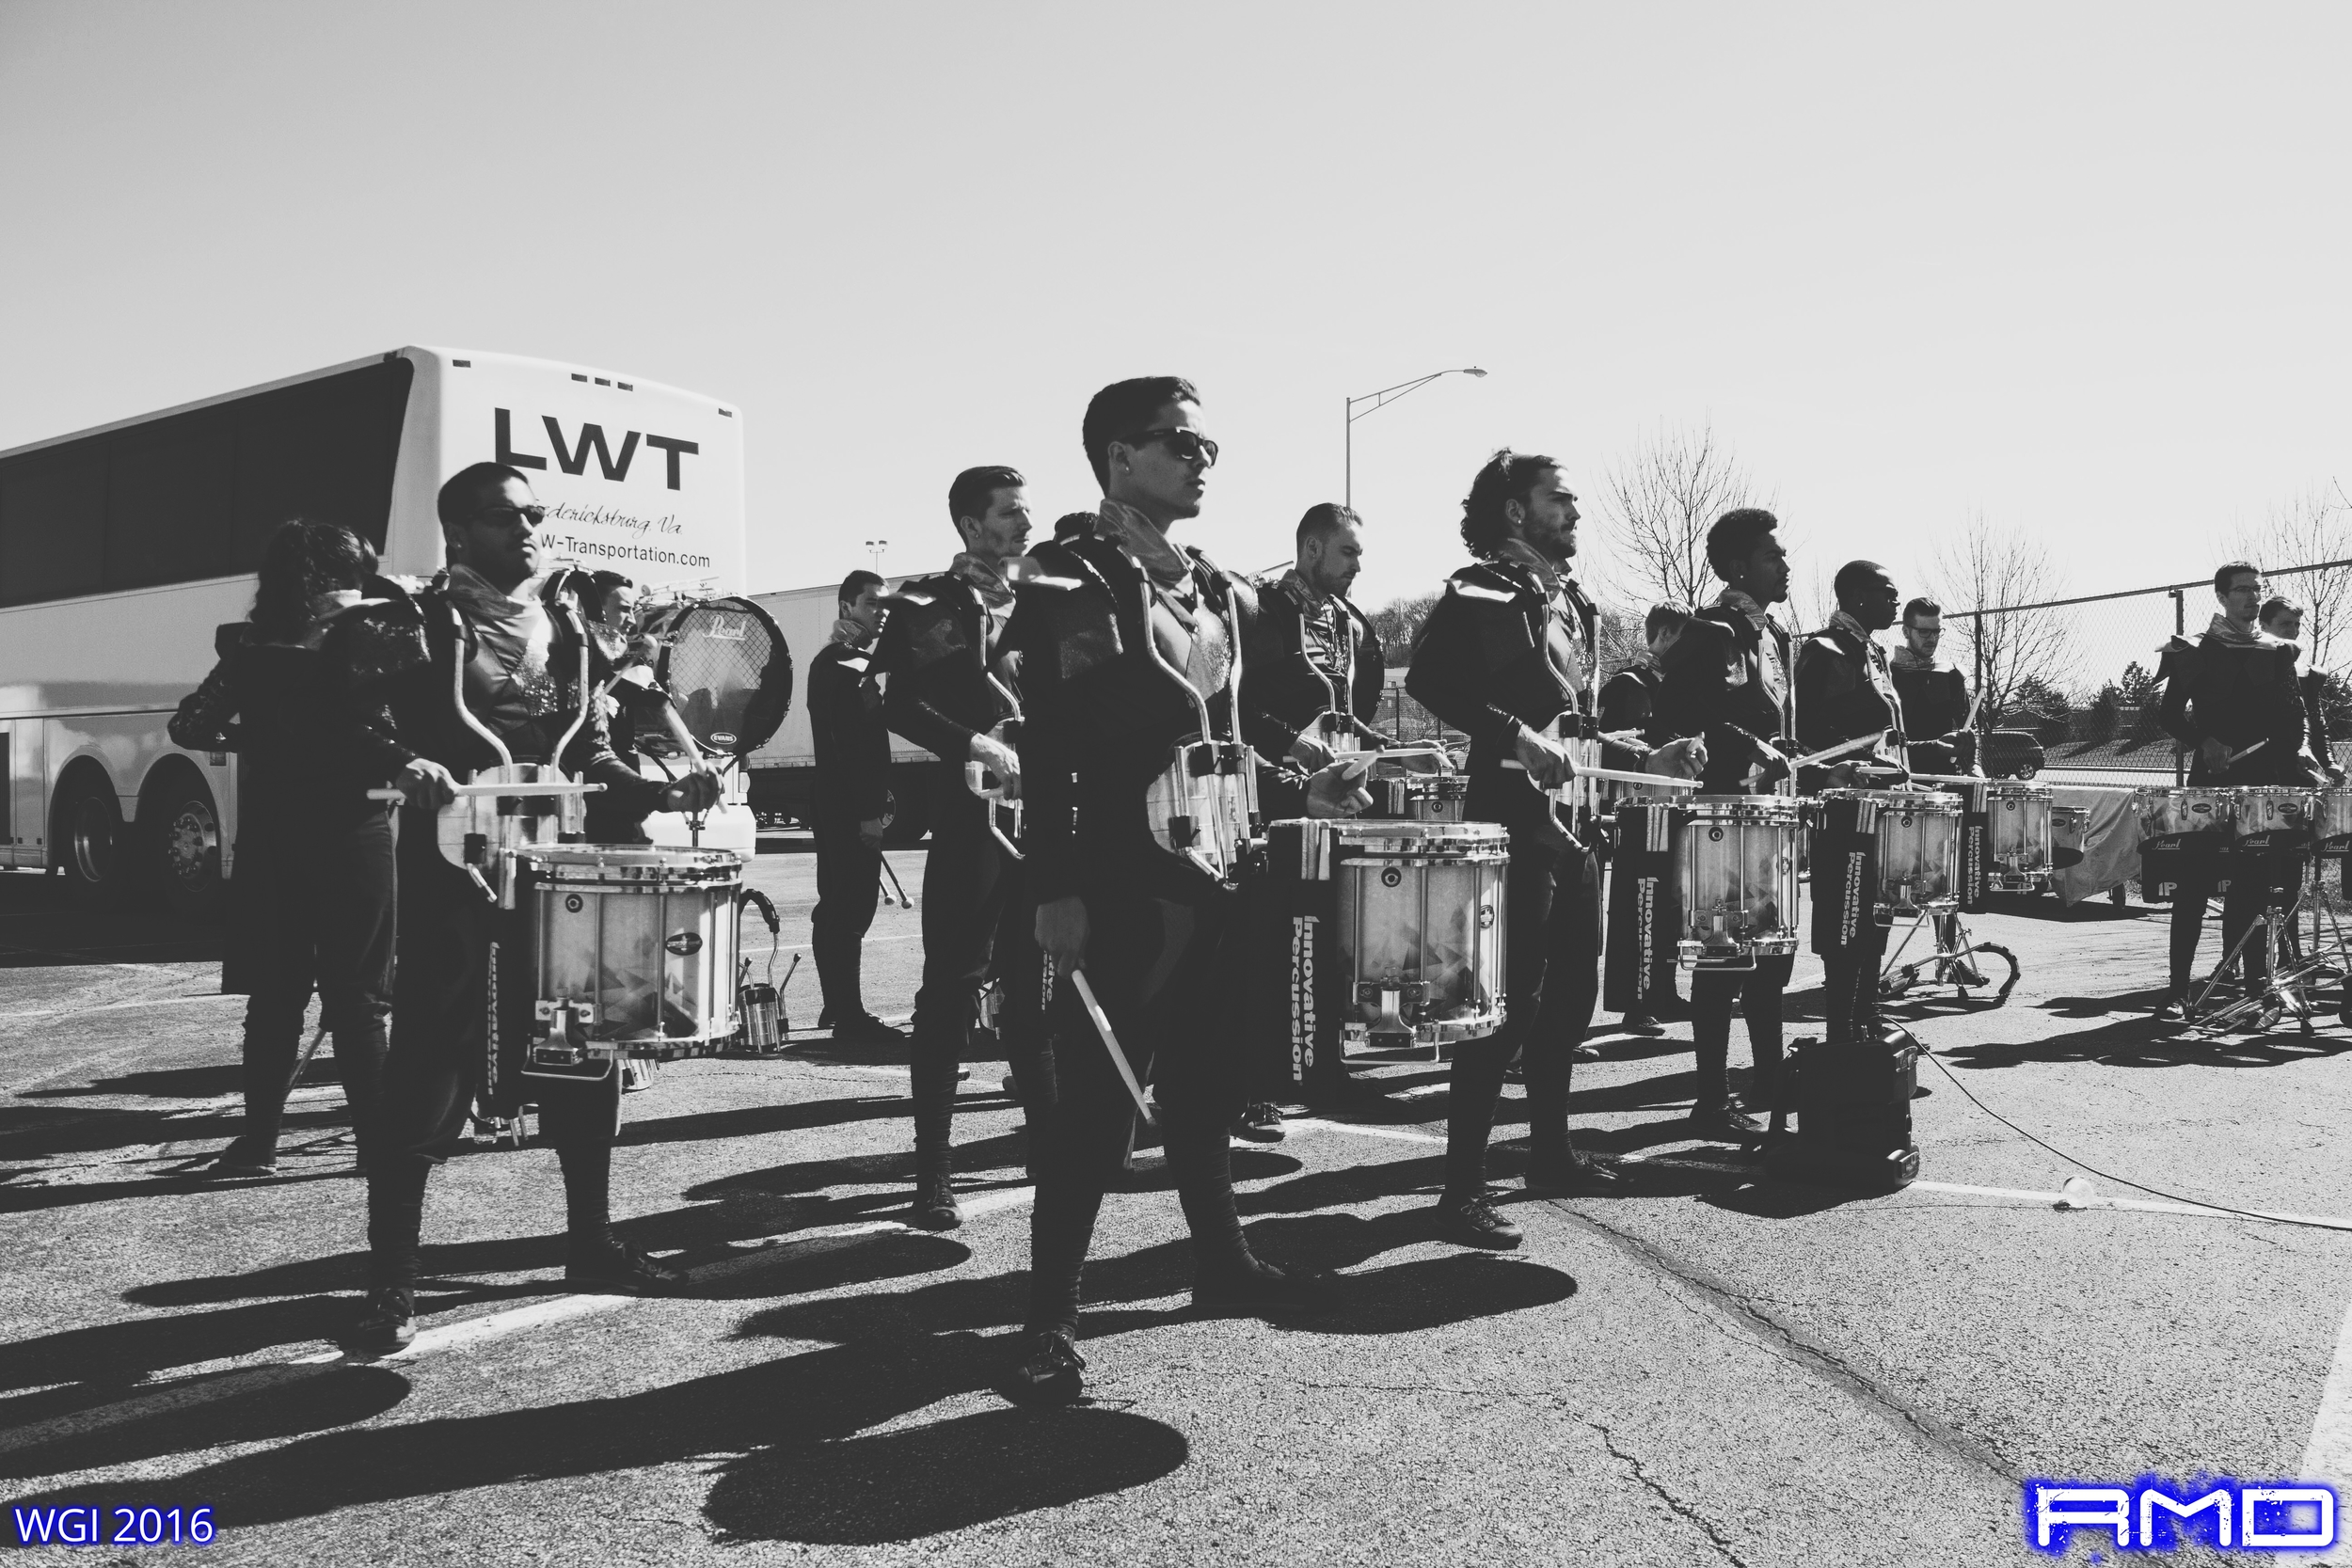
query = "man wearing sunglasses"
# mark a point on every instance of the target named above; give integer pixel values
(519, 659)
(1124, 641)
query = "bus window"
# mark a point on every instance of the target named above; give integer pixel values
(322, 450)
(52, 526)
(168, 499)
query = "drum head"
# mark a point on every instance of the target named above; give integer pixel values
(726, 666)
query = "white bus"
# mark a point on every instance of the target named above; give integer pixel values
(123, 547)
(783, 780)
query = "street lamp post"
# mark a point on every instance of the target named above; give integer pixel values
(878, 545)
(1381, 399)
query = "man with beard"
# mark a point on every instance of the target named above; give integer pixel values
(1505, 655)
(952, 680)
(1934, 694)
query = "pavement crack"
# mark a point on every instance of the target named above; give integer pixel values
(1640, 1472)
(1801, 1348)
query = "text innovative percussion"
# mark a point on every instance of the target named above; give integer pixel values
(1190, 881)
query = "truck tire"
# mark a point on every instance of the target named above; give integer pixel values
(183, 847)
(92, 843)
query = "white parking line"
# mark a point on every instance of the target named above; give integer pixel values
(2327, 1457)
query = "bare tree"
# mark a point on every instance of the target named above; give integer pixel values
(1396, 622)
(2021, 655)
(1659, 503)
(2307, 531)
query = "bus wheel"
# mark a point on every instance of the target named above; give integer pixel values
(185, 843)
(92, 845)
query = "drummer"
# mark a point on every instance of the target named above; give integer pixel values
(950, 680)
(2282, 618)
(1934, 694)
(1845, 691)
(521, 669)
(2232, 702)
(1507, 652)
(1121, 641)
(1726, 681)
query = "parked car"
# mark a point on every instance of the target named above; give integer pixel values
(2012, 754)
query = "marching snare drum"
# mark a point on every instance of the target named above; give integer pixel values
(1918, 849)
(633, 949)
(1736, 867)
(2272, 816)
(1420, 926)
(1204, 803)
(2019, 824)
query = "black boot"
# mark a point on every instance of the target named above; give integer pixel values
(933, 1206)
(1049, 1372)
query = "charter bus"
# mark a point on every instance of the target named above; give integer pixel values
(123, 547)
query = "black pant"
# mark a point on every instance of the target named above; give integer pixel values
(1165, 976)
(312, 900)
(2251, 882)
(1551, 981)
(848, 884)
(977, 923)
(456, 950)
(1850, 980)
(1758, 992)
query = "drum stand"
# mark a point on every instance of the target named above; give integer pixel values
(2288, 986)
(1943, 963)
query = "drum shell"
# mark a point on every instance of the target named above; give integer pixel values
(2189, 809)
(2332, 819)
(633, 949)
(2019, 829)
(1422, 933)
(1735, 869)
(2270, 816)
(1203, 805)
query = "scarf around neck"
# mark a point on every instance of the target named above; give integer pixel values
(2225, 630)
(1907, 658)
(1132, 531)
(1548, 573)
(986, 576)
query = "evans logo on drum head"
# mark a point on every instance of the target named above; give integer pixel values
(683, 943)
(573, 903)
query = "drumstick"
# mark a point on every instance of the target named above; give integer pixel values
(905, 902)
(514, 789)
(1844, 748)
(2248, 753)
(1110, 1043)
(1618, 775)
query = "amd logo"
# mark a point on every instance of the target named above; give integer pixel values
(573, 457)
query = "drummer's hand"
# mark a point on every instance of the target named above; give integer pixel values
(999, 759)
(1061, 932)
(1678, 759)
(428, 786)
(1310, 751)
(2212, 753)
(869, 833)
(697, 791)
(1546, 760)
(1338, 791)
(1771, 764)
(1845, 775)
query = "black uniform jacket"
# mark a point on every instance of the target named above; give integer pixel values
(934, 650)
(2239, 695)
(1844, 693)
(301, 747)
(1713, 688)
(405, 654)
(1102, 713)
(1935, 701)
(1629, 700)
(1497, 653)
(1283, 691)
(845, 718)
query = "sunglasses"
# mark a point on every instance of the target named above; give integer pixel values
(1187, 446)
(534, 516)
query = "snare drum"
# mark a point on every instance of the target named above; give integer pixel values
(2163, 812)
(1418, 798)
(1201, 804)
(1736, 867)
(1420, 926)
(2018, 825)
(2272, 816)
(633, 948)
(2332, 819)
(1918, 849)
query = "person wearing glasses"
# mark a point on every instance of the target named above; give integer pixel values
(520, 662)
(1123, 638)
(1504, 656)
(951, 680)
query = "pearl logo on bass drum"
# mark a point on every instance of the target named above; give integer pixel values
(683, 943)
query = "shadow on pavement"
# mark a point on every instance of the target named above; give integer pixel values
(279, 1407)
(41, 929)
(899, 1486)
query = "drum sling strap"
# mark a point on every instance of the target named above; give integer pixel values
(1639, 964)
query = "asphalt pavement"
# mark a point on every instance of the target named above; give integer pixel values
(1712, 1369)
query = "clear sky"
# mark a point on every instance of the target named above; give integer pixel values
(2078, 268)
